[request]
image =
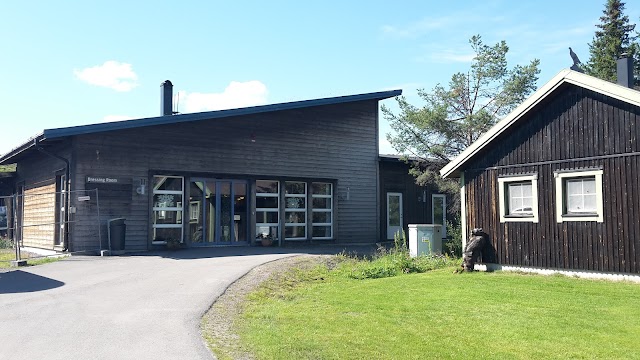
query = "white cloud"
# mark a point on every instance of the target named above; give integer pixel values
(236, 95)
(112, 118)
(112, 74)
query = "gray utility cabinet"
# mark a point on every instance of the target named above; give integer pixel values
(425, 239)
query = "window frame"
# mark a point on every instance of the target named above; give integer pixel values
(323, 210)
(275, 210)
(561, 178)
(162, 210)
(503, 183)
(295, 210)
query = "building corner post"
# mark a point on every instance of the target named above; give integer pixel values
(463, 211)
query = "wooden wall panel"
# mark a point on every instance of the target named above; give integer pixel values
(332, 142)
(395, 177)
(575, 129)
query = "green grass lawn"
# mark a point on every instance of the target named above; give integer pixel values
(8, 255)
(440, 315)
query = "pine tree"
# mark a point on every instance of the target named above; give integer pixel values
(615, 38)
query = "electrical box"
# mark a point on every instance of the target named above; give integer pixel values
(425, 239)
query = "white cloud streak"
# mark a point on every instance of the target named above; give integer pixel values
(235, 95)
(112, 74)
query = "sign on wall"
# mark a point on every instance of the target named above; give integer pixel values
(108, 180)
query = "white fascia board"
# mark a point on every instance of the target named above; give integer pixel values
(573, 77)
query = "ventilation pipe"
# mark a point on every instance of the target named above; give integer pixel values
(166, 98)
(625, 71)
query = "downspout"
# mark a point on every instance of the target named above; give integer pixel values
(65, 241)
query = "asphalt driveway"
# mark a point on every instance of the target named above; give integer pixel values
(129, 307)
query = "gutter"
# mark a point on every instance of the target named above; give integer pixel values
(65, 241)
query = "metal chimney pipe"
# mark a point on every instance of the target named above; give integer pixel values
(166, 98)
(625, 71)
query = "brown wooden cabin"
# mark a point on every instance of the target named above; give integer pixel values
(299, 171)
(555, 184)
(403, 202)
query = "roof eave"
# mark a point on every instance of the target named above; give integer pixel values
(631, 96)
(6, 158)
(173, 119)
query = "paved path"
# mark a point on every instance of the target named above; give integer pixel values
(127, 307)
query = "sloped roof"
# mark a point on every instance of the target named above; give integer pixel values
(452, 169)
(58, 133)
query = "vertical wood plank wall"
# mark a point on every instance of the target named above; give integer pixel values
(575, 129)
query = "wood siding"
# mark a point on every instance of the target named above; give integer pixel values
(333, 142)
(37, 173)
(573, 128)
(395, 177)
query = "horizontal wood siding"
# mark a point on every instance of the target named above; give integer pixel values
(38, 174)
(576, 129)
(336, 142)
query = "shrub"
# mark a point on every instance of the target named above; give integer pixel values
(393, 262)
(453, 246)
(5, 243)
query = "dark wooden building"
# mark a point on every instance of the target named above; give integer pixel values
(404, 202)
(555, 183)
(298, 171)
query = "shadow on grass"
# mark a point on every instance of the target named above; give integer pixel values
(18, 281)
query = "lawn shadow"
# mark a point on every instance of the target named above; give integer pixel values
(19, 281)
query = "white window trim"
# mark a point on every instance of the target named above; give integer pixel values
(296, 210)
(502, 182)
(194, 210)
(275, 210)
(177, 209)
(329, 210)
(560, 195)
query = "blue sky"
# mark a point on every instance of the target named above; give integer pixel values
(67, 63)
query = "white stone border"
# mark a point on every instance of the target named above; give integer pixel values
(584, 274)
(42, 252)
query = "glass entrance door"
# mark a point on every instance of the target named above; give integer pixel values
(394, 214)
(439, 212)
(218, 212)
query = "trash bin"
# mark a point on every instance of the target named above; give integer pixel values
(117, 229)
(425, 239)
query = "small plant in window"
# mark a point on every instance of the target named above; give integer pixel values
(265, 239)
(173, 244)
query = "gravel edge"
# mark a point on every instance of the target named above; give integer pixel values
(217, 324)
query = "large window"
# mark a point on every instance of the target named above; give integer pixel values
(518, 198)
(168, 192)
(295, 211)
(579, 196)
(322, 210)
(267, 209)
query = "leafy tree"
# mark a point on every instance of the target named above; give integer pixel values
(615, 37)
(453, 117)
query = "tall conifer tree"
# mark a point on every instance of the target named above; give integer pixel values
(614, 38)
